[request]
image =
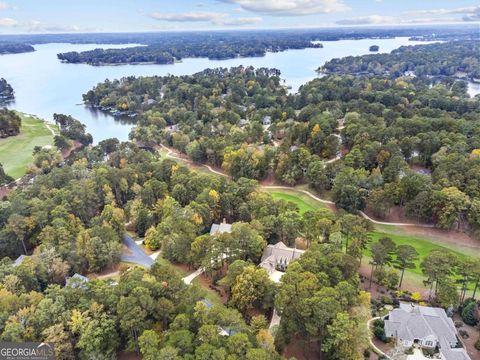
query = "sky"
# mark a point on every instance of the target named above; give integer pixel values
(56, 16)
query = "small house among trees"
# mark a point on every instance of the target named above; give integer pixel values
(221, 228)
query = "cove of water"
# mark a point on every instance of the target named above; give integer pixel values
(44, 85)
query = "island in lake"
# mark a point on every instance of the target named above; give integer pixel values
(15, 48)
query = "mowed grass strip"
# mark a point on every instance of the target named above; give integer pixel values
(303, 202)
(16, 151)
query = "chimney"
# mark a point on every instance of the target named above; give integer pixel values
(224, 221)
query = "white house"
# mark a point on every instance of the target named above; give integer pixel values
(221, 228)
(426, 327)
(276, 258)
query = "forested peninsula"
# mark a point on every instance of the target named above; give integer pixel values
(458, 59)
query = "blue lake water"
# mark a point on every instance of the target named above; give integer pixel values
(43, 85)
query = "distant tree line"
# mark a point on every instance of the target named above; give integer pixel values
(432, 32)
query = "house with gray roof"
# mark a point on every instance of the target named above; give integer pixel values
(19, 260)
(221, 228)
(222, 330)
(77, 281)
(275, 259)
(426, 327)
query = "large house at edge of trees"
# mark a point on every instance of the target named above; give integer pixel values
(276, 258)
(426, 327)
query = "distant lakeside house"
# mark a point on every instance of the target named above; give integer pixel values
(427, 327)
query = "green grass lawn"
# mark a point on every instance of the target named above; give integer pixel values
(422, 246)
(209, 294)
(16, 151)
(304, 202)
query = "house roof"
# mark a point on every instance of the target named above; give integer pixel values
(77, 281)
(19, 260)
(207, 303)
(411, 322)
(278, 253)
(221, 228)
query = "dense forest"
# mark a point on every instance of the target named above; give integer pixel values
(168, 47)
(458, 58)
(14, 48)
(6, 91)
(405, 141)
(215, 47)
(74, 217)
(366, 142)
(10, 123)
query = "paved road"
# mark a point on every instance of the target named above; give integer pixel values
(274, 323)
(137, 255)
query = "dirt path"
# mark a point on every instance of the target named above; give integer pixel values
(49, 128)
(393, 223)
(306, 192)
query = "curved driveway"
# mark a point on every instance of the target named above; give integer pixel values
(137, 255)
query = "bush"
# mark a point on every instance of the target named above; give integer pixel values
(416, 296)
(463, 334)
(458, 324)
(428, 352)
(379, 323)
(379, 332)
(477, 344)
(387, 300)
(468, 313)
(366, 353)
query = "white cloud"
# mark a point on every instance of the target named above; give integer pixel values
(205, 16)
(38, 26)
(418, 17)
(472, 10)
(3, 5)
(7, 22)
(290, 7)
(371, 20)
